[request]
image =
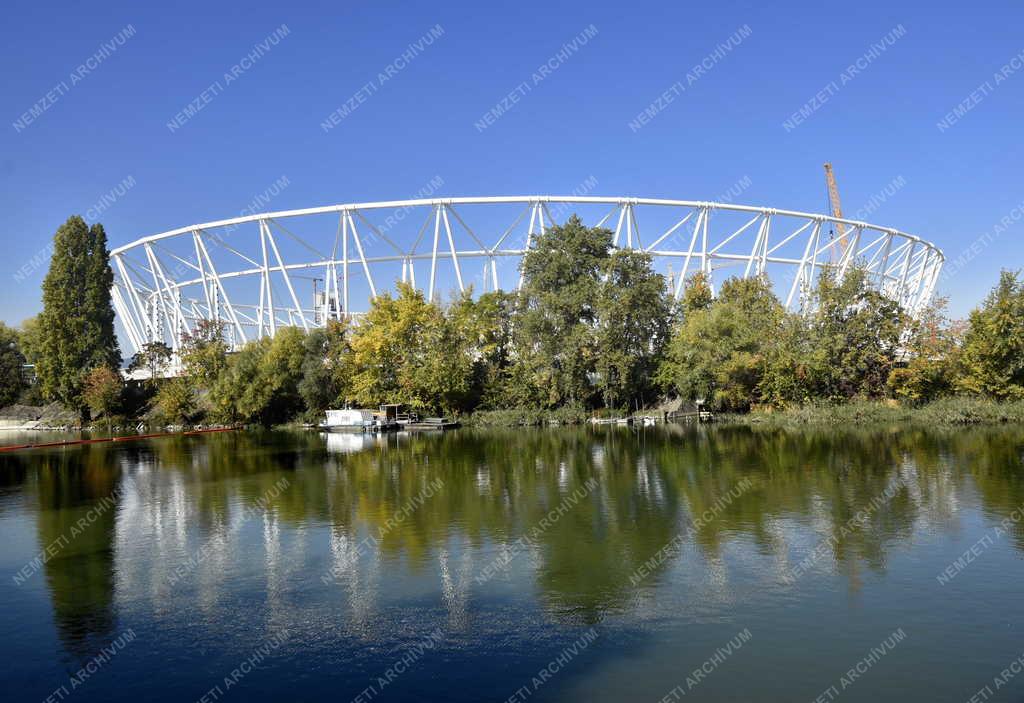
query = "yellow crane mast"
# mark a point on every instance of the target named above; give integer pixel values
(837, 211)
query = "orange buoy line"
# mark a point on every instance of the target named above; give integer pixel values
(125, 438)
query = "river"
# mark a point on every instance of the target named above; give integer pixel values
(609, 564)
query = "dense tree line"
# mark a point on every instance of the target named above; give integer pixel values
(592, 327)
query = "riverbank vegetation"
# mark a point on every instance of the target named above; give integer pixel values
(592, 329)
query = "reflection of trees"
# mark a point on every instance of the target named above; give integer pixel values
(498, 485)
(80, 574)
(996, 465)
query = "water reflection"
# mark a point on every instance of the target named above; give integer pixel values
(198, 519)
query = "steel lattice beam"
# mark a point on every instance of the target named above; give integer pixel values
(165, 282)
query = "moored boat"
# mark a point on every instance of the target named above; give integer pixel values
(356, 420)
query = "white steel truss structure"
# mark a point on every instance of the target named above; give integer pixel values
(252, 272)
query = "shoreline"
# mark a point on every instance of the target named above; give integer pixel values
(945, 412)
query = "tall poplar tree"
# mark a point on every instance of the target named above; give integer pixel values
(77, 321)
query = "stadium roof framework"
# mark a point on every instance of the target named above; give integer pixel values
(261, 272)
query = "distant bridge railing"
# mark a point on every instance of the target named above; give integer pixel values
(253, 272)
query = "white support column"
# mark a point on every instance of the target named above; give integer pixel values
(689, 253)
(202, 274)
(126, 320)
(628, 212)
(158, 292)
(173, 297)
(933, 279)
(798, 280)
(266, 283)
(812, 271)
(901, 292)
(635, 240)
(260, 319)
(433, 256)
(756, 249)
(529, 241)
(763, 260)
(706, 253)
(884, 264)
(287, 278)
(142, 318)
(451, 245)
(344, 264)
(362, 257)
(618, 227)
(919, 280)
(220, 288)
(850, 254)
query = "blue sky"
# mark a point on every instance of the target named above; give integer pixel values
(955, 184)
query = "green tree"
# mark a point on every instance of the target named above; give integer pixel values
(153, 358)
(204, 352)
(260, 382)
(856, 333)
(77, 321)
(391, 349)
(931, 356)
(175, 400)
(555, 342)
(326, 367)
(30, 339)
(102, 390)
(236, 396)
(633, 320)
(12, 360)
(789, 376)
(30, 336)
(487, 325)
(697, 294)
(992, 359)
(718, 351)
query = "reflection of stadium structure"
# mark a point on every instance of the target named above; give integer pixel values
(253, 272)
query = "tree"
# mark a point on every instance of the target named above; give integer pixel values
(718, 350)
(633, 318)
(697, 294)
(487, 325)
(402, 352)
(931, 356)
(175, 400)
(260, 382)
(30, 336)
(237, 395)
(204, 352)
(326, 367)
(12, 361)
(102, 390)
(555, 343)
(789, 376)
(153, 357)
(30, 339)
(992, 359)
(77, 321)
(856, 333)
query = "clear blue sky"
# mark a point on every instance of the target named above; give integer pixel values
(879, 127)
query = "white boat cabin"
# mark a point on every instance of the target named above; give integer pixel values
(349, 418)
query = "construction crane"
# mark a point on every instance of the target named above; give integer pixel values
(837, 211)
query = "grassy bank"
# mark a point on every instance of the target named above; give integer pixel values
(946, 412)
(525, 417)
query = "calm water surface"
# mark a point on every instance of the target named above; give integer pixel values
(722, 564)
